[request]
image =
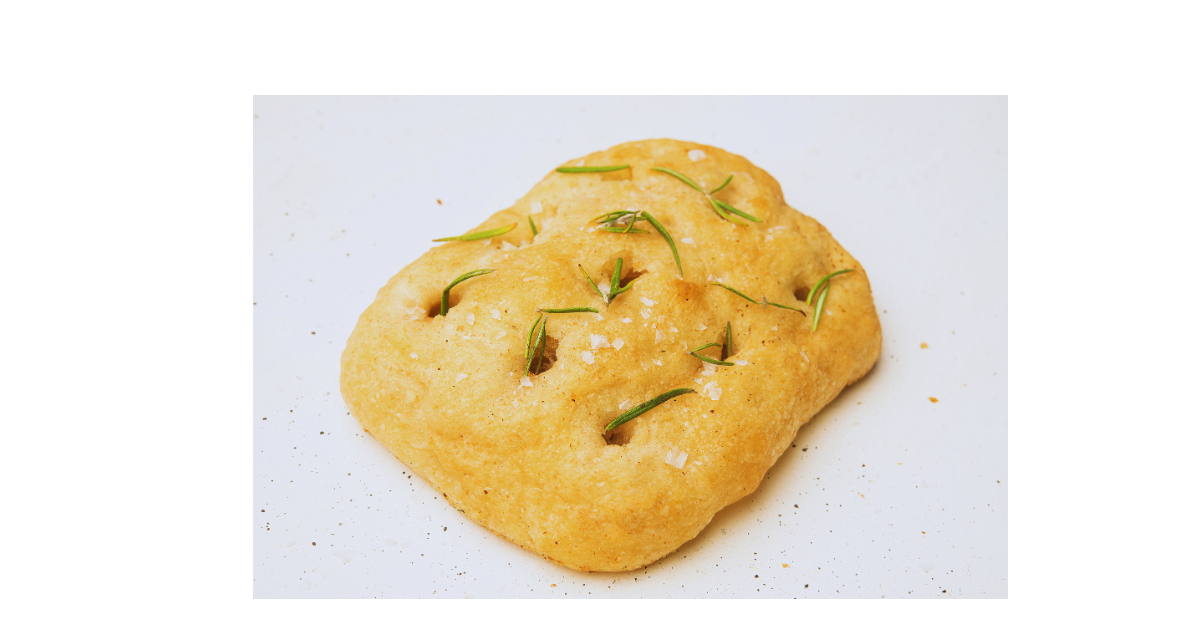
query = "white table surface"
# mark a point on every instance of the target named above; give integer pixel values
(886, 493)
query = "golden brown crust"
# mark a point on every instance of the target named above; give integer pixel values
(531, 463)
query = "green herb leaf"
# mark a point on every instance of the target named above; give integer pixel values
(465, 276)
(730, 208)
(594, 287)
(727, 287)
(820, 305)
(647, 406)
(612, 215)
(727, 347)
(478, 235)
(727, 180)
(670, 241)
(615, 288)
(590, 169)
(539, 345)
(529, 339)
(817, 288)
(625, 230)
(572, 309)
(531, 225)
(790, 308)
(722, 213)
(708, 359)
(683, 178)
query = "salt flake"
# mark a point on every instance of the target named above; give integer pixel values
(535, 207)
(471, 318)
(587, 357)
(676, 458)
(495, 313)
(461, 376)
(647, 301)
(688, 240)
(413, 355)
(599, 341)
(742, 362)
(627, 320)
(617, 343)
(696, 155)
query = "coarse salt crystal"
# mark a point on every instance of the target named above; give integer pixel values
(647, 301)
(487, 242)
(591, 229)
(413, 355)
(674, 329)
(461, 376)
(658, 336)
(495, 313)
(676, 458)
(506, 246)
(699, 380)
(535, 207)
(775, 328)
(805, 357)
(712, 391)
(525, 382)
(827, 313)
(411, 310)
(701, 327)
(587, 357)
(645, 314)
(471, 318)
(742, 362)
(529, 278)
(515, 403)
(627, 320)
(617, 343)
(599, 341)
(688, 240)
(709, 369)
(657, 362)
(623, 405)
(696, 155)
(604, 288)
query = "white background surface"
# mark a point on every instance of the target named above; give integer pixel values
(895, 496)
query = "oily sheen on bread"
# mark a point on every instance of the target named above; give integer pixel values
(529, 457)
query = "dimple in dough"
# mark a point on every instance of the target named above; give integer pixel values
(529, 458)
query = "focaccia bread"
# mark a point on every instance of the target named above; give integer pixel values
(528, 456)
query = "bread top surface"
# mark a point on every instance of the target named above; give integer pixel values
(529, 458)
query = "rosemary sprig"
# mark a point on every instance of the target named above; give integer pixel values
(614, 287)
(529, 338)
(610, 220)
(590, 169)
(817, 288)
(539, 344)
(532, 226)
(723, 209)
(465, 276)
(708, 359)
(764, 301)
(820, 305)
(647, 406)
(535, 346)
(727, 347)
(475, 236)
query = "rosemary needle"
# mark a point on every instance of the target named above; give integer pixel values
(647, 406)
(532, 226)
(594, 287)
(726, 183)
(727, 347)
(625, 230)
(817, 288)
(820, 305)
(529, 338)
(590, 169)
(764, 301)
(475, 236)
(683, 178)
(572, 309)
(670, 241)
(465, 276)
(708, 359)
(614, 287)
